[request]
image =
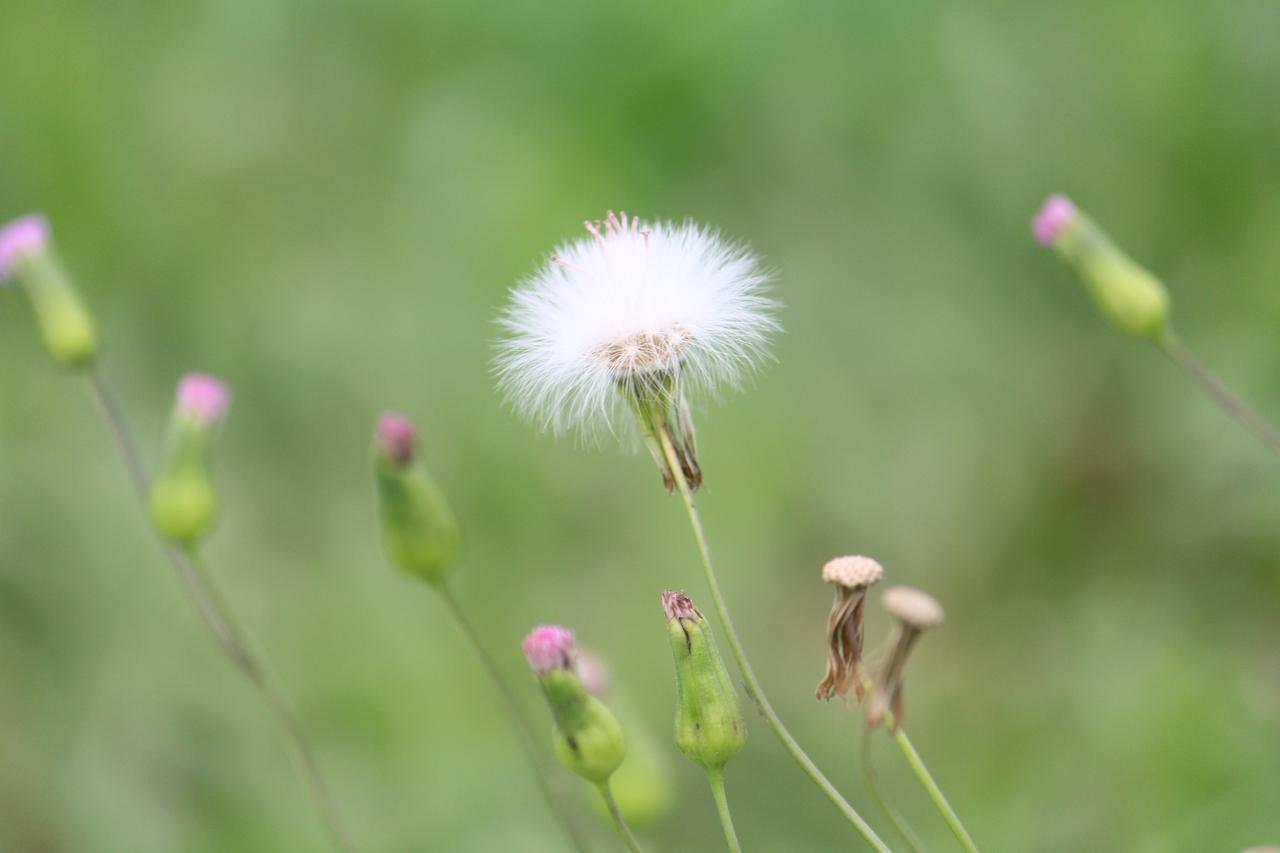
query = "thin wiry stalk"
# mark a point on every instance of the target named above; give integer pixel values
(716, 778)
(872, 781)
(218, 617)
(1220, 394)
(618, 820)
(744, 665)
(523, 729)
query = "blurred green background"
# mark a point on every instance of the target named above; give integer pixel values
(325, 202)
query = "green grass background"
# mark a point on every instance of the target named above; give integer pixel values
(325, 202)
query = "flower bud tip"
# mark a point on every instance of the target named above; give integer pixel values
(677, 605)
(1056, 213)
(202, 397)
(549, 647)
(853, 572)
(912, 607)
(20, 237)
(396, 437)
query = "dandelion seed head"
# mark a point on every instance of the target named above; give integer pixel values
(632, 304)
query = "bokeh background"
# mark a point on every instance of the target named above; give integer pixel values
(325, 202)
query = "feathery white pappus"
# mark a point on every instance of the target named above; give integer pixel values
(631, 306)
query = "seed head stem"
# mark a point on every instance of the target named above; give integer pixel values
(716, 777)
(744, 666)
(618, 820)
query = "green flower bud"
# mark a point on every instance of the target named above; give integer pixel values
(62, 318)
(709, 726)
(419, 530)
(586, 736)
(183, 502)
(1131, 298)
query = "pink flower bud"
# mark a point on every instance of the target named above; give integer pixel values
(1056, 213)
(396, 438)
(549, 647)
(203, 398)
(677, 605)
(21, 237)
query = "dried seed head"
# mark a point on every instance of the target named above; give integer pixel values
(677, 605)
(912, 607)
(852, 576)
(854, 572)
(916, 612)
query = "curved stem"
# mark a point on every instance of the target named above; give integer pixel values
(618, 820)
(754, 690)
(1220, 394)
(219, 619)
(523, 729)
(716, 777)
(872, 781)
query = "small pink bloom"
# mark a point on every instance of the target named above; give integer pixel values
(396, 437)
(1056, 214)
(549, 647)
(203, 398)
(21, 237)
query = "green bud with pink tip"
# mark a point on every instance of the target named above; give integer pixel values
(418, 529)
(709, 724)
(1131, 298)
(64, 322)
(586, 736)
(183, 502)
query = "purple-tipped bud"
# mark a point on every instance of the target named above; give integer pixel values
(203, 398)
(549, 647)
(677, 605)
(21, 237)
(396, 437)
(1057, 213)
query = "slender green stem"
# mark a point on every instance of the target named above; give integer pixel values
(871, 778)
(618, 820)
(218, 617)
(935, 793)
(744, 666)
(926, 778)
(716, 777)
(1220, 394)
(524, 730)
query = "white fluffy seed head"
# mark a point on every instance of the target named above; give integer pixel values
(632, 304)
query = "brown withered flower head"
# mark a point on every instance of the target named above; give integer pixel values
(851, 577)
(916, 612)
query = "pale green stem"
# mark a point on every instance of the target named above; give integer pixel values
(935, 793)
(618, 820)
(715, 775)
(926, 778)
(1219, 393)
(218, 618)
(523, 729)
(744, 666)
(872, 780)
